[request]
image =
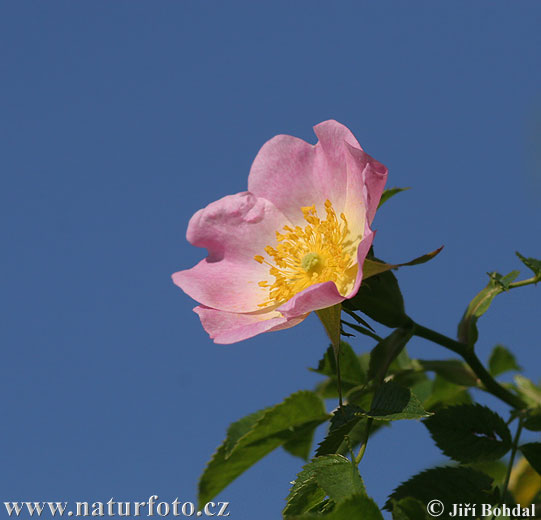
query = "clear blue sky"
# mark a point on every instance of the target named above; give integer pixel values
(118, 120)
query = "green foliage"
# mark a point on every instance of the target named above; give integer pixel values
(386, 351)
(255, 436)
(393, 402)
(388, 193)
(452, 370)
(342, 423)
(532, 421)
(351, 371)
(467, 328)
(445, 393)
(330, 475)
(373, 267)
(532, 264)
(532, 452)
(409, 508)
(530, 392)
(470, 433)
(356, 506)
(300, 444)
(451, 485)
(501, 361)
(379, 297)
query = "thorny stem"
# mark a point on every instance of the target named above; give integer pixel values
(468, 354)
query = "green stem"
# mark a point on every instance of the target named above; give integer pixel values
(512, 459)
(468, 354)
(529, 281)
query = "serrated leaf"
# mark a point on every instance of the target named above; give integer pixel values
(531, 263)
(388, 193)
(467, 328)
(452, 370)
(379, 297)
(393, 402)
(355, 507)
(469, 433)
(373, 267)
(342, 422)
(275, 427)
(330, 475)
(305, 493)
(350, 367)
(386, 351)
(239, 428)
(338, 477)
(409, 508)
(532, 453)
(451, 485)
(502, 360)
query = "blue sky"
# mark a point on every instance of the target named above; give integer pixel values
(119, 120)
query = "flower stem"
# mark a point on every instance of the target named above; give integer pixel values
(468, 354)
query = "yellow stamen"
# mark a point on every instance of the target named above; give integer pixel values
(320, 252)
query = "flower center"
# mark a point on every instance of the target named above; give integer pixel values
(303, 256)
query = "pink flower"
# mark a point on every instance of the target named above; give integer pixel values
(295, 242)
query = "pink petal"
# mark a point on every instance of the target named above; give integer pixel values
(292, 173)
(234, 229)
(366, 180)
(283, 172)
(228, 327)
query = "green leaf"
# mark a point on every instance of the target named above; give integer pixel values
(470, 433)
(451, 485)
(388, 193)
(532, 264)
(330, 475)
(386, 351)
(250, 441)
(530, 392)
(330, 318)
(393, 402)
(452, 370)
(379, 297)
(342, 422)
(301, 444)
(305, 493)
(409, 508)
(467, 328)
(445, 393)
(338, 476)
(373, 267)
(350, 366)
(501, 361)
(355, 507)
(532, 452)
(533, 420)
(495, 469)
